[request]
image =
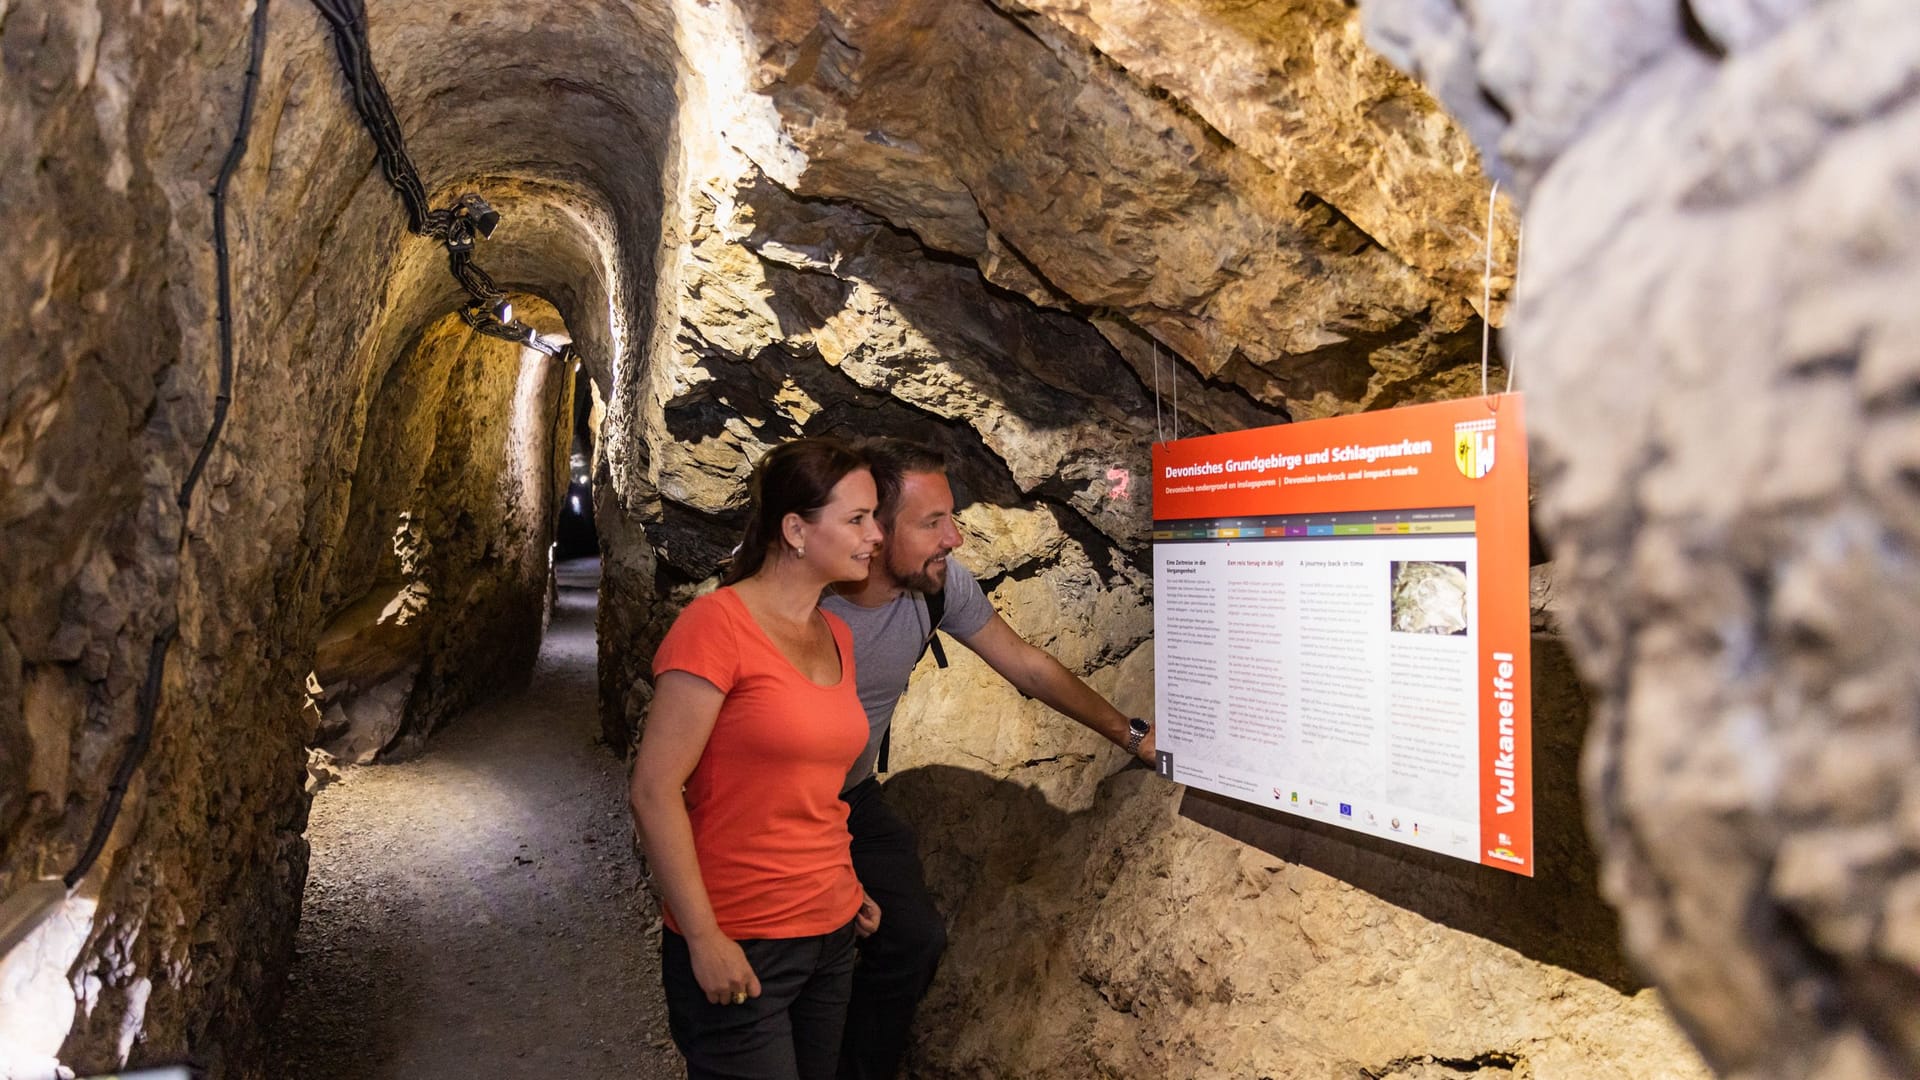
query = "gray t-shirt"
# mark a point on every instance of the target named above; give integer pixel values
(886, 645)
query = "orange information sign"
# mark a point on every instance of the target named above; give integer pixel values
(1341, 623)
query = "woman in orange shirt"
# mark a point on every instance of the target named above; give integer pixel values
(736, 790)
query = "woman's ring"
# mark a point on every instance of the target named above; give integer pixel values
(739, 997)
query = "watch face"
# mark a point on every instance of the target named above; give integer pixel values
(1139, 727)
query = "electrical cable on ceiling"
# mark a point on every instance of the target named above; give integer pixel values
(457, 226)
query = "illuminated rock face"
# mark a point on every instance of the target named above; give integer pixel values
(1716, 329)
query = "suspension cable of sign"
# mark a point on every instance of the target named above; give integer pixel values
(1159, 429)
(1486, 294)
(1519, 250)
(1173, 368)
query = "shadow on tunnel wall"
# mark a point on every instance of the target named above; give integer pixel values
(975, 830)
(1556, 917)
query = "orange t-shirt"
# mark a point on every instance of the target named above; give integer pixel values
(769, 828)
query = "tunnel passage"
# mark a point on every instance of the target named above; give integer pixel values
(122, 115)
(439, 590)
(1038, 234)
(474, 909)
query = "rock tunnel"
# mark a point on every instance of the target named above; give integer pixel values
(1040, 235)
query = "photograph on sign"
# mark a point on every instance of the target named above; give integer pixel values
(1341, 623)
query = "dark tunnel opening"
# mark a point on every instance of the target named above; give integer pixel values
(574, 535)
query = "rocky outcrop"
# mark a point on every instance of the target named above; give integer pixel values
(829, 152)
(1148, 167)
(1716, 331)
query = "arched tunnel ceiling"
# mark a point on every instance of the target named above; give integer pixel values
(560, 116)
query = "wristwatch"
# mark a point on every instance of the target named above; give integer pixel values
(1137, 731)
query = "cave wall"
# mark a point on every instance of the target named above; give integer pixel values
(995, 227)
(117, 116)
(1716, 329)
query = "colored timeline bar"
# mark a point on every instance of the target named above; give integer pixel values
(1456, 521)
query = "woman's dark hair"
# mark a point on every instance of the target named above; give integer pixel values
(793, 478)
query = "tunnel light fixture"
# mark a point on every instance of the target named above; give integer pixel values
(470, 218)
(479, 214)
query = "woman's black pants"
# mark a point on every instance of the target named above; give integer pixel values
(791, 1031)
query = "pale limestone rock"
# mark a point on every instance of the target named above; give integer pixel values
(1000, 540)
(1718, 336)
(321, 771)
(371, 718)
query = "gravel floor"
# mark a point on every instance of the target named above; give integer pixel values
(477, 912)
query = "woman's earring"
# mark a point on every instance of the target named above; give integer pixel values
(800, 552)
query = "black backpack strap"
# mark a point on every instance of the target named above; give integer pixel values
(936, 610)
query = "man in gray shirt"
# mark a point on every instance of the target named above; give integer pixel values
(892, 625)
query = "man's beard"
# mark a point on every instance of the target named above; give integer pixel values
(921, 579)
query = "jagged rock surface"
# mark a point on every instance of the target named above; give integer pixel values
(1146, 186)
(1718, 336)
